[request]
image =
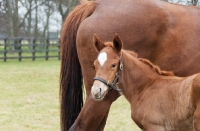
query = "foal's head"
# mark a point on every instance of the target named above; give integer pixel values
(107, 65)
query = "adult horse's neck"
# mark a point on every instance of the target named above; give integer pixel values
(135, 76)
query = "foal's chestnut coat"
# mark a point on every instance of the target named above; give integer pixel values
(159, 100)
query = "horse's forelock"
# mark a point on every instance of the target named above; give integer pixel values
(108, 44)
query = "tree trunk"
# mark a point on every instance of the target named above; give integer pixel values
(36, 21)
(46, 26)
(69, 6)
(29, 20)
(194, 2)
(16, 18)
(9, 17)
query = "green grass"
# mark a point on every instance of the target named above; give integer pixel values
(29, 98)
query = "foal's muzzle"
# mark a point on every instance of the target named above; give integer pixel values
(99, 90)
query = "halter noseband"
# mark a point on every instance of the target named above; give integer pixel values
(113, 85)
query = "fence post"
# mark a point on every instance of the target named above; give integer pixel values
(20, 49)
(33, 49)
(17, 46)
(59, 41)
(47, 49)
(5, 49)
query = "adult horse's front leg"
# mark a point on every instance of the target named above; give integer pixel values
(103, 122)
(94, 114)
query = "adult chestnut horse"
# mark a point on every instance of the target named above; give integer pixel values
(166, 34)
(159, 100)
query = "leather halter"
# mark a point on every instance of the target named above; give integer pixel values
(113, 85)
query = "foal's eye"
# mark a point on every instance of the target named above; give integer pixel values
(114, 65)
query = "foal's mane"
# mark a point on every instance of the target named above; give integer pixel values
(150, 64)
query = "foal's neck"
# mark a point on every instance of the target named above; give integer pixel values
(135, 76)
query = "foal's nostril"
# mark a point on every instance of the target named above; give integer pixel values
(100, 89)
(97, 96)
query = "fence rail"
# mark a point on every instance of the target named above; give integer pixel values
(29, 48)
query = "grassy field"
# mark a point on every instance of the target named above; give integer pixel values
(29, 98)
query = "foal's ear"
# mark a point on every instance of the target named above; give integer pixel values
(117, 43)
(98, 44)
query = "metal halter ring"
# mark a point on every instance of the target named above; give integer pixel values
(121, 66)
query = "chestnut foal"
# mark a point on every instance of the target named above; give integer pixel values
(159, 100)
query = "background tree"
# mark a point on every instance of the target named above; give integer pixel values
(16, 21)
(194, 2)
(35, 18)
(65, 6)
(185, 2)
(50, 7)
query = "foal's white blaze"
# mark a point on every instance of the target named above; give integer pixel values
(99, 90)
(102, 58)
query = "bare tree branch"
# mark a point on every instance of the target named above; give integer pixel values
(28, 11)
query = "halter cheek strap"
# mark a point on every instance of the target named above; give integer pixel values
(113, 85)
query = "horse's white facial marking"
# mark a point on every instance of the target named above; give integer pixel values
(102, 58)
